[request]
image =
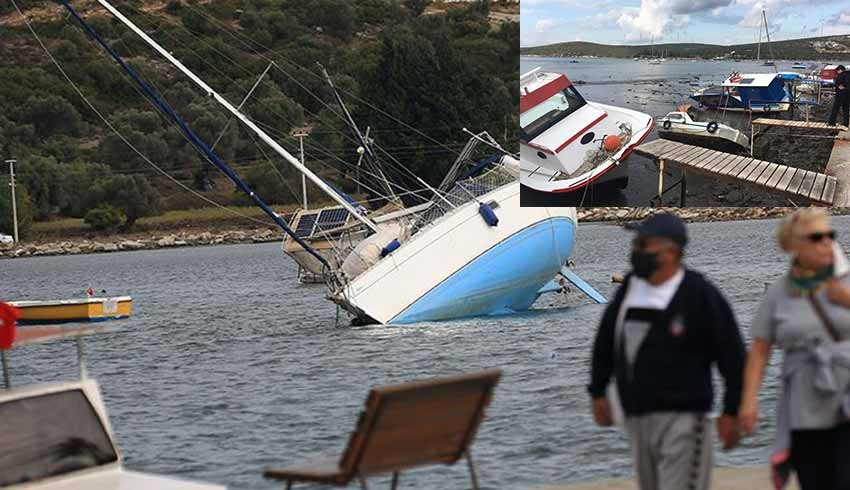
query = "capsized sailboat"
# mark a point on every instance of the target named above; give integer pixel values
(473, 250)
(567, 142)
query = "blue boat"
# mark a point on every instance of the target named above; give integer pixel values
(762, 92)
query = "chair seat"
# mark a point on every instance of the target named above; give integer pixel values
(323, 470)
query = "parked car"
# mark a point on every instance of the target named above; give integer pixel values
(6, 238)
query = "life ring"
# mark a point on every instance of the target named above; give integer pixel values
(667, 124)
(712, 127)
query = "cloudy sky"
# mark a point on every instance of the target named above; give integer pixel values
(701, 21)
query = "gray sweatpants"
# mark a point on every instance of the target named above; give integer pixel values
(671, 450)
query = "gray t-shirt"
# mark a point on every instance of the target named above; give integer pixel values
(790, 321)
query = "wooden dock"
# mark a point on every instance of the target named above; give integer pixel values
(763, 121)
(793, 182)
(839, 168)
(737, 478)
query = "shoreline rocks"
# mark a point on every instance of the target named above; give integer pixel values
(263, 235)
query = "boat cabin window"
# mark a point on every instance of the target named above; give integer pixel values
(50, 435)
(549, 112)
(675, 117)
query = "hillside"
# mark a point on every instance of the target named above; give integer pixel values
(413, 72)
(817, 48)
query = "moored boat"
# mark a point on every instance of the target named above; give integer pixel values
(761, 92)
(680, 126)
(74, 310)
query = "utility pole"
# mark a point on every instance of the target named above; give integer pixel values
(301, 133)
(14, 203)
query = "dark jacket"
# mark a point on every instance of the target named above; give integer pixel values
(843, 79)
(673, 372)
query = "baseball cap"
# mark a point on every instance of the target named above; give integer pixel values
(664, 225)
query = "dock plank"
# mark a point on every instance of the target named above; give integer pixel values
(774, 179)
(817, 188)
(794, 186)
(734, 171)
(727, 168)
(756, 173)
(786, 179)
(806, 185)
(767, 174)
(828, 195)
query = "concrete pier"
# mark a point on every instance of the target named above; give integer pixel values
(839, 167)
(736, 478)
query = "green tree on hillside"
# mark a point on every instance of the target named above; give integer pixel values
(132, 195)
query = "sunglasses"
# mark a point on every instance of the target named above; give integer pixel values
(818, 237)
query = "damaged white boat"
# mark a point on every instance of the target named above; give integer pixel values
(680, 126)
(568, 143)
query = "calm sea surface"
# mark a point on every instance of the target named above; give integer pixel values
(228, 365)
(657, 90)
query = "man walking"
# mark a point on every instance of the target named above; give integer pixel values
(659, 338)
(842, 97)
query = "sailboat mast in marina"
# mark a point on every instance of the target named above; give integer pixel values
(472, 250)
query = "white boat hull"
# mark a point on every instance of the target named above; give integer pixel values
(459, 266)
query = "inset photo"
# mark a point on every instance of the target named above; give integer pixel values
(685, 103)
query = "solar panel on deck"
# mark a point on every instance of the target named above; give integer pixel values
(305, 225)
(332, 218)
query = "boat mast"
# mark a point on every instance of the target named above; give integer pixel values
(192, 136)
(321, 184)
(769, 46)
(758, 53)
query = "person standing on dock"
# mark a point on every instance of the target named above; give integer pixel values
(842, 97)
(659, 338)
(806, 313)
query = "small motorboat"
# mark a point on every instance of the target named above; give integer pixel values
(760, 92)
(680, 126)
(799, 66)
(58, 435)
(74, 310)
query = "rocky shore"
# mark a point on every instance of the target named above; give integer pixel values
(118, 243)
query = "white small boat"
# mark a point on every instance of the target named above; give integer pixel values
(58, 436)
(680, 126)
(567, 142)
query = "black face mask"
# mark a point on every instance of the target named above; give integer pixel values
(644, 264)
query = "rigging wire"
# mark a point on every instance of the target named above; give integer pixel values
(117, 133)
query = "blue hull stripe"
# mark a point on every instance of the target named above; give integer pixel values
(504, 279)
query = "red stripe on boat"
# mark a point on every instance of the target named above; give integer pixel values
(529, 100)
(594, 123)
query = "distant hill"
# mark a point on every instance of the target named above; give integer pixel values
(815, 48)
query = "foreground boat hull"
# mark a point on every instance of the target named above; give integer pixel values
(462, 267)
(85, 310)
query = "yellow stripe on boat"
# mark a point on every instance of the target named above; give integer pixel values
(74, 310)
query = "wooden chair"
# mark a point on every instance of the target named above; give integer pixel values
(405, 426)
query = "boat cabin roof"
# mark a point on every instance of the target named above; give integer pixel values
(750, 80)
(39, 443)
(537, 86)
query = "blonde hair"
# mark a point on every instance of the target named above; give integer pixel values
(785, 234)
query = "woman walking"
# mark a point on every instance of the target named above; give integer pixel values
(807, 314)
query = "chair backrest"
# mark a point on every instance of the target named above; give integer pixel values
(420, 423)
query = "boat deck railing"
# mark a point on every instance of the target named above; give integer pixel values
(464, 191)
